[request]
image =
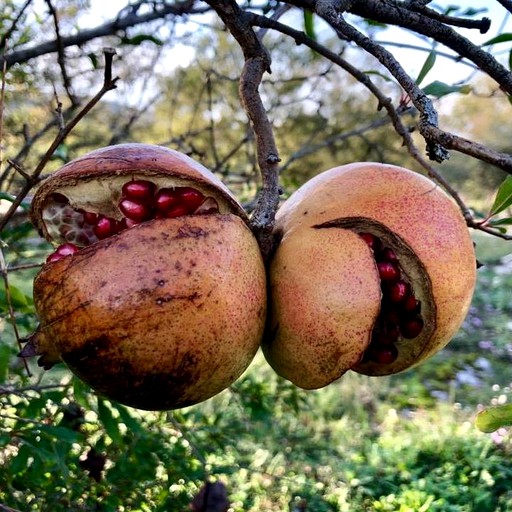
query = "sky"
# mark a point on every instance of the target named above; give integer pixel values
(444, 70)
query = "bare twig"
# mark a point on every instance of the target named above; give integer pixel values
(107, 29)
(109, 83)
(61, 58)
(5, 508)
(482, 24)
(501, 160)
(10, 308)
(507, 4)
(428, 114)
(7, 34)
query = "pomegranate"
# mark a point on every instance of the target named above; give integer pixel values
(154, 309)
(374, 271)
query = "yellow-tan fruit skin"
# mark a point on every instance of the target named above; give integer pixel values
(313, 345)
(411, 206)
(164, 315)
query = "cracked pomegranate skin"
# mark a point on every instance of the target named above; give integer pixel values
(163, 314)
(325, 291)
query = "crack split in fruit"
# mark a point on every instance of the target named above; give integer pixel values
(399, 317)
(140, 201)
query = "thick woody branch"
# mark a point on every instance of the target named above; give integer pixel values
(428, 114)
(451, 141)
(257, 62)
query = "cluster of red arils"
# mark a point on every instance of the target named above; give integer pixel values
(140, 202)
(400, 314)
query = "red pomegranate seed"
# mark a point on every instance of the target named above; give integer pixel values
(67, 249)
(90, 217)
(127, 223)
(412, 328)
(398, 291)
(390, 314)
(372, 241)
(136, 211)
(139, 190)
(189, 197)
(386, 337)
(54, 256)
(165, 199)
(105, 227)
(384, 355)
(411, 305)
(388, 254)
(388, 271)
(177, 211)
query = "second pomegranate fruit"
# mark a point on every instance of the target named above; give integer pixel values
(374, 271)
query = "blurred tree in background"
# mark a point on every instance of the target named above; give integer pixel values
(350, 81)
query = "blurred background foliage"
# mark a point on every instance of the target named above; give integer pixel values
(401, 443)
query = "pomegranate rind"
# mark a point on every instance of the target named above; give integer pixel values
(313, 346)
(161, 316)
(93, 181)
(422, 217)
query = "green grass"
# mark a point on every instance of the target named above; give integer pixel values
(403, 443)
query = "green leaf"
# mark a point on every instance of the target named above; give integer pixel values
(427, 66)
(61, 434)
(473, 12)
(503, 197)
(501, 222)
(5, 356)
(309, 24)
(131, 423)
(136, 40)
(439, 89)
(6, 196)
(510, 62)
(19, 300)
(502, 38)
(94, 60)
(61, 153)
(493, 418)
(109, 422)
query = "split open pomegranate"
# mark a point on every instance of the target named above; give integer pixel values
(374, 272)
(155, 293)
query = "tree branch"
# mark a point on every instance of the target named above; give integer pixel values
(109, 83)
(107, 29)
(61, 58)
(257, 62)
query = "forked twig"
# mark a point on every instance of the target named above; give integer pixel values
(109, 83)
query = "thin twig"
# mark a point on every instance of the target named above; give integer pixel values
(395, 117)
(109, 83)
(61, 58)
(6, 36)
(507, 4)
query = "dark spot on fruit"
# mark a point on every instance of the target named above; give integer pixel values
(191, 232)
